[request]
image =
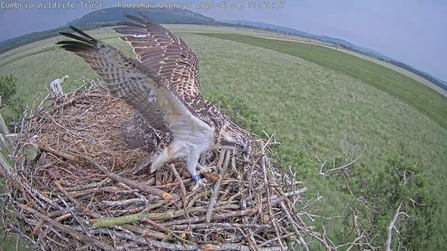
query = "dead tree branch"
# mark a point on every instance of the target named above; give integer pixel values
(392, 227)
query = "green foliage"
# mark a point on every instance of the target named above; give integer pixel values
(8, 88)
(14, 103)
(239, 110)
(17, 106)
(378, 191)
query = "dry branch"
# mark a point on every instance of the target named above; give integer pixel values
(392, 227)
(5, 144)
(216, 188)
(6, 168)
(3, 128)
(349, 151)
(75, 234)
(343, 166)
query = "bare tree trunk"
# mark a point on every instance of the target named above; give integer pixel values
(4, 164)
(5, 144)
(3, 128)
(392, 227)
(5, 140)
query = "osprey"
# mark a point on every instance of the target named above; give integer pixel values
(163, 88)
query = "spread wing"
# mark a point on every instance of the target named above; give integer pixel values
(134, 82)
(160, 50)
(144, 102)
(137, 133)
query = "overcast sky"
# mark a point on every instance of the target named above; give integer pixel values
(411, 31)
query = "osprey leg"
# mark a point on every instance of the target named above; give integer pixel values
(172, 152)
(191, 164)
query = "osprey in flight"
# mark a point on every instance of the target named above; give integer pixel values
(163, 88)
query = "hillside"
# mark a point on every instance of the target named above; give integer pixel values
(332, 40)
(109, 17)
(344, 44)
(160, 15)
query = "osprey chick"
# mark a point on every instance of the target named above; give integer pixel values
(163, 88)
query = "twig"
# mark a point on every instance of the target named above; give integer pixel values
(275, 239)
(142, 187)
(228, 225)
(182, 186)
(57, 183)
(3, 128)
(6, 168)
(294, 224)
(75, 234)
(249, 211)
(266, 184)
(143, 231)
(58, 153)
(216, 189)
(167, 230)
(86, 95)
(344, 166)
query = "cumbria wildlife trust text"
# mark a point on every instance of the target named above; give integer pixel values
(90, 5)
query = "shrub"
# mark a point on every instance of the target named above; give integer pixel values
(239, 110)
(378, 192)
(13, 104)
(8, 88)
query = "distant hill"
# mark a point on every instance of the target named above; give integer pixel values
(422, 74)
(327, 39)
(109, 17)
(344, 44)
(159, 15)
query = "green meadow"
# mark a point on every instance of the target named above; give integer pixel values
(307, 95)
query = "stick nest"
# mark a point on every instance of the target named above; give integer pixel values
(72, 188)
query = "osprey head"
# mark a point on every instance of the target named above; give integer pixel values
(233, 137)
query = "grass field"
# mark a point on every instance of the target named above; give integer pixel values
(304, 93)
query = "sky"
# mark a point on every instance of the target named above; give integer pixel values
(411, 31)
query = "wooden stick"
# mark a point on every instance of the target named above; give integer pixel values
(182, 186)
(75, 234)
(249, 211)
(140, 186)
(167, 230)
(6, 167)
(216, 189)
(3, 128)
(5, 144)
(58, 153)
(104, 222)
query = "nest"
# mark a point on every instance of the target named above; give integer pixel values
(72, 188)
